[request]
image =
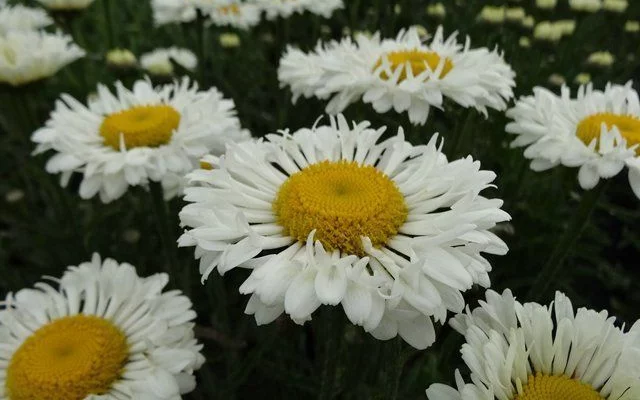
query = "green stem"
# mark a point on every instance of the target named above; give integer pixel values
(578, 223)
(164, 226)
(108, 21)
(394, 366)
(458, 146)
(332, 333)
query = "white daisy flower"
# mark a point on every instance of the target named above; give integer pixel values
(532, 352)
(237, 14)
(30, 56)
(599, 132)
(328, 215)
(172, 11)
(104, 333)
(135, 136)
(62, 5)
(404, 74)
(21, 18)
(285, 8)
(158, 61)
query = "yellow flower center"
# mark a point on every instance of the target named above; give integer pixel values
(418, 61)
(230, 9)
(67, 359)
(628, 125)
(343, 201)
(547, 387)
(140, 126)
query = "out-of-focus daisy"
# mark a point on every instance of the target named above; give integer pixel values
(436, 10)
(632, 26)
(599, 132)
(285, 8)
(403, 74)
(121, 58)
(229, 40)
(30, 56)
(21, 18)
(566, 26)
(549, 31)
(531, 351)
(546, 4)
(66, 5)
(515, 14)
(586, 5)
(135, 136)
(329, 215)
(492, 14)
(528, 22)
(556, 79)
(601, 59)
(158, 61)
(524, 42)
(172, 11)
(618, 6)
(237, 14)
(582, 78)
(104, 333)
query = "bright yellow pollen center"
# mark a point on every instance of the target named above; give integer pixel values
(628, 125)
(343, 201)
(231, 9)
(418, 60)
(547, 387)
(67, 359)
(140, 126)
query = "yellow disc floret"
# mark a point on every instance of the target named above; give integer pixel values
(343, 201)
(67, 359)
(140, 126)
(628, 125)
(549, 387)
(418, 61)
(232, 9)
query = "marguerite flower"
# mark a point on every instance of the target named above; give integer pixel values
(103, 333)
(21, 18)
(533, 352)
(404, 74)
(240, 15)
(599, 132)
(158, 61)
(136, 136)
(286, 8)
(172, 11)
(30, 56)
(328, 215)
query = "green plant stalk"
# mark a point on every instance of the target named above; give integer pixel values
(578, 223)
(163, 224)
(459, 145)
(108, 21)
(394, 366)
(332, 330)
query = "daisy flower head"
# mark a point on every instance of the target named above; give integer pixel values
(286, 8)
(158, 61)
(21, 18)
(102, 332)
(131, 137)
(332, 216)
(239, 15)
(403, 74)
(172, 11)
(531, 351)
(598, 131)
(30, 56)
